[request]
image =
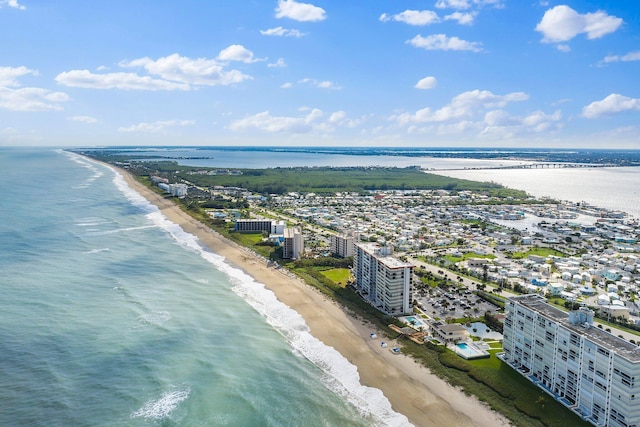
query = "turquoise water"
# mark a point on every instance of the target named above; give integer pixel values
(110, 315)
(470, 352)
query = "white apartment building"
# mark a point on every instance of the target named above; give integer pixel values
(342, 245)
(587, 369)
(293, 244)
(384, 281)
(178, 190)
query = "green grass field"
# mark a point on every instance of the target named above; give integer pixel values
(338, 276)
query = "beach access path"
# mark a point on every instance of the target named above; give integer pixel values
(413, 391)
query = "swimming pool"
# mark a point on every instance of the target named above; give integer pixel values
(414, 321)
(470, 351)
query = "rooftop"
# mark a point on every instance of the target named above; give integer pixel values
(604, 339)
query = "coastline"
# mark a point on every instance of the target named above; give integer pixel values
(412, 390)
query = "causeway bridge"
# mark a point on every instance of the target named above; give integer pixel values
(558, 165)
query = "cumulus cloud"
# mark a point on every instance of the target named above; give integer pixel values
(453, 4)
(11, 3)
(612, 104)
(278, 64)
(323, 84)
(562, 23)
(426, 83)
(314, 121)
(413, 17)
(16, 98)
(463, 106)
(126, 81)
(631, 56)
(500, 121)
(282, 32)
(442, 42)
(266, 122)
(9, 75)
(304, 12)
(237, 52)
(31, 99)
(83, 119)
(461, 18)
(173, 72)
(466, 4)
(156, 127)
(286, 85)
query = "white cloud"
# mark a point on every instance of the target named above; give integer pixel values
(127, 81)
(426, 83)
(563, 48)
(83, 119)
(31, 99)
(462, 18)
(266, 122)
(314, 121)
(442, 42)
(287, 85)
(304, 12)
(612, 104)
(9, 75)
(562, 23)
(466, 4)
(631, 56)
(11, 3)
(466, 105)
(453, 4)
(278, 64)
(413, 17)
(16, 98)
(155, 127)
(237, 52)
(175, 72)
(201, 71)
(323, 84)
(282, 32)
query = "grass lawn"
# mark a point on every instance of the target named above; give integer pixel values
(544, 252)
(337, 275)
(468, 255)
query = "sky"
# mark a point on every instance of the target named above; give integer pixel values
(436, 73)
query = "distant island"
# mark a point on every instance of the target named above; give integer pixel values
(610, 157)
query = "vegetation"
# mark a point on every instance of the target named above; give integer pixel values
(543, 252)
(492, 381)
(311, 179)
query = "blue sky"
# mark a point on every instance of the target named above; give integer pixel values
(464, 73)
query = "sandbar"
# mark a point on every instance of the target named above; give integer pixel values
(412, 389)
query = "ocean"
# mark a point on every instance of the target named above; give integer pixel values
(110, 315)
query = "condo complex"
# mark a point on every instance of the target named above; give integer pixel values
(589, 370)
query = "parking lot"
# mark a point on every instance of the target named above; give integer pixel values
(440, 303)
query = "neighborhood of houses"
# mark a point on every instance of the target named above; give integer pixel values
(590, 256)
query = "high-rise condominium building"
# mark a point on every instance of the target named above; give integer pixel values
(587, 369)
(384, 281)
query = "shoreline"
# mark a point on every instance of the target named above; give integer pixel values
(412, 390)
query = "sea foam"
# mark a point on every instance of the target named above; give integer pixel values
(163, 406)
(340, 375)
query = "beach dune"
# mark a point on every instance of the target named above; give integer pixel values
(413, 391)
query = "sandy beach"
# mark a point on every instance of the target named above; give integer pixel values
(412, 390)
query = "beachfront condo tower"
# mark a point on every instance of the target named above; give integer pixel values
(381, 279)
(585, 368)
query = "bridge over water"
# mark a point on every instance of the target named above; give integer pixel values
(536, 166)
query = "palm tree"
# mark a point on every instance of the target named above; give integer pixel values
(541, 400)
